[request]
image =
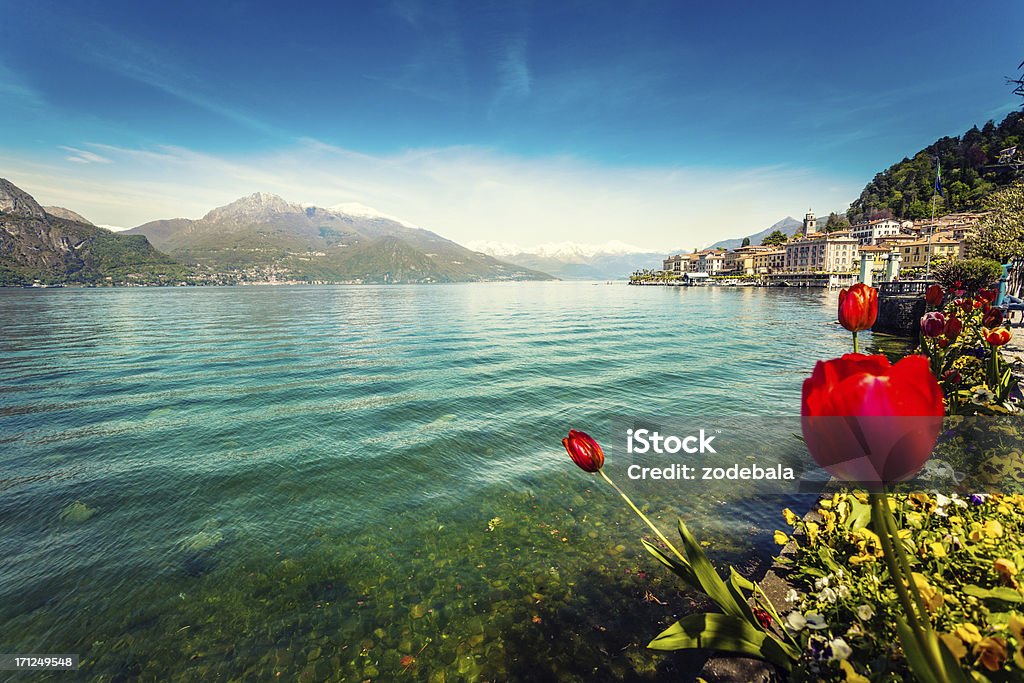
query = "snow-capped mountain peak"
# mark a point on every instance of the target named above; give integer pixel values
(558, 250)
(364, 211)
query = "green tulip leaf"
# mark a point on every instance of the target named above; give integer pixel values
(740, 582)
(726, 633)
(916, 659)
(710, 582)
(1000, 593)
(683, 571)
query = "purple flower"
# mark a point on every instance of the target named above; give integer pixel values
(977, 499)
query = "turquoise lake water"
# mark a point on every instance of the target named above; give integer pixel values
(351, 483)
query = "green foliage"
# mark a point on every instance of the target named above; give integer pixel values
(1000, 234)
(836, 222)
(777, 238)
(746, 242)
(905, 189)
(972, 274)
(965, 557)
(738, 629)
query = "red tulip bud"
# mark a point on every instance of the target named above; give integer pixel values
(988, 295)
(953, 328)
(584, 451)
(933, 324)
(952, 377)
(858, 307)
(943, 342)
(933, 296)
(993, 318)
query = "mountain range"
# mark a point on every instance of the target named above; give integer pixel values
(54, 245)
(573, 261)
(258, 238)
(264, 236)
(789, 225)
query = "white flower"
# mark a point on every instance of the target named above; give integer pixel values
(821, 582)
(792, 595)
(865, 612)
(796, 621)
(827, 595)
(815, 621)
(843, 591)
(840, 650)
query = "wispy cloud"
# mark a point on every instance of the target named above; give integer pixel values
(14, 90)
(464, 193)
(82, 156)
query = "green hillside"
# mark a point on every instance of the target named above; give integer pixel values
(970, 172)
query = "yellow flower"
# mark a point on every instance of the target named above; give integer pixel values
(812, 532)
(954, 645)
(829, 518)
(993, 529)
(851, 674)
(790, 517)
(1018, 658)
(914, 519)
(1007, 571)
(932, 598)
(938, 550)
(781, 538)
(1016, 625)
(991, 652)
(968, 633)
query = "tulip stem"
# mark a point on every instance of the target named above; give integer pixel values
(889, 537)
(855, 349)
(644, 517)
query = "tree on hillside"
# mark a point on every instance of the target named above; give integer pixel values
(836, 222)
(969, 174)
(776, 239)
(746, 242)
(1000, 234)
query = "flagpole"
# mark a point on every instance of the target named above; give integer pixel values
(931, 228)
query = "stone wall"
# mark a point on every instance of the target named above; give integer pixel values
(900, 315)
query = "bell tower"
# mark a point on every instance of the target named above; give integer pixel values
(810, 223)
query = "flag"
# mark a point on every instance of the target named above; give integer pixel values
(938, 179)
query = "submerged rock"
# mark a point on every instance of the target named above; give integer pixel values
(77, 512)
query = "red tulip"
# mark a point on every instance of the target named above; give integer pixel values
(933, 324)
(993, 318)
(934, 295)
(870, 422)
(954, 327)
(858, 307)
(952, 377)
(988, 295)
(943, 342)
(1000, 336)
(584, 451)
(965, 304)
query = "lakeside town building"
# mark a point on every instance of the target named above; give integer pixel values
(869, 232)
(822, 252)
(885, 243)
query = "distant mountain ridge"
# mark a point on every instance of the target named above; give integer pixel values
(788, 225)
(57, 246)
(263, 235)
(612, 260)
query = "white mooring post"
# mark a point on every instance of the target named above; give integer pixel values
(866, 264)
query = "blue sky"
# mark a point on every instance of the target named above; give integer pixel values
(665, 124)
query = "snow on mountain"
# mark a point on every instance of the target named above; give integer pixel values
(566, 251)
(364, 211)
